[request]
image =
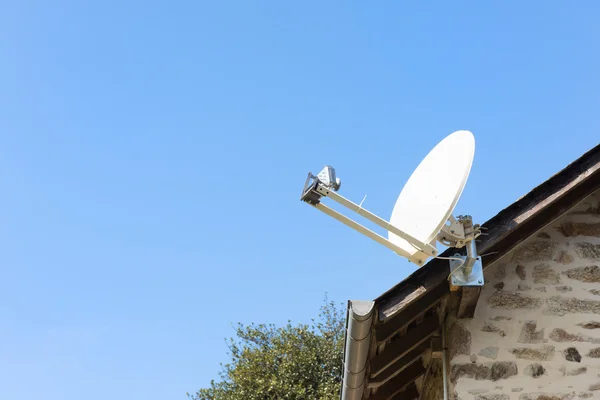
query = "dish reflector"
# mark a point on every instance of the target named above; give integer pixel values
(432, 191)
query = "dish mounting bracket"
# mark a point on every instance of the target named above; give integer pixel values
(458, 232)
(460, 275)
(464, 270)
(326, 185)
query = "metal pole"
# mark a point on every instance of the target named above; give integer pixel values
(471, 257)
(367, 232)
(425, 247)
(467, 223)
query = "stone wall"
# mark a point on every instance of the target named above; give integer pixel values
(536, 331)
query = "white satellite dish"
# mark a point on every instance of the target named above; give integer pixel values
(422, 215)
(432, 191)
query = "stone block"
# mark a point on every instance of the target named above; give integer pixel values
(523, 287)
(588, 251)
(529, 334)
(571, 354)
(544, 353)
(560, 335)
(542, 250)
(546, 396)
(491, 396)
(558, 305)
(500, 272)
(494, 371)
(521, 272)
(590, 274)
(576, 371)
(594, 353)
(544, 274)
(564, 258)
(535, 370)
(564, 289)
(512, 301)
(473, 371)
(489, 352)
(573, 229)
(590, 325)
(503, 370)
(489, 327)
(594, 386)
(460, 340)
(500, 318)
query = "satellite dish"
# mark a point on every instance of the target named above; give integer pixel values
(422, 215)
(432, 191)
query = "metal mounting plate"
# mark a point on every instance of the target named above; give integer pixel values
(475, 278)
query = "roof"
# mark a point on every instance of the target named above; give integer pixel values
(408, 311)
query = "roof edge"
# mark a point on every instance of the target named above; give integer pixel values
(546, 196)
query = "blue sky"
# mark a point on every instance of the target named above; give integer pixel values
(152, 155)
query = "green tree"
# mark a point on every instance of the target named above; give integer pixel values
(295, 362)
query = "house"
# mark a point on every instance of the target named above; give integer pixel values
(532, 332)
